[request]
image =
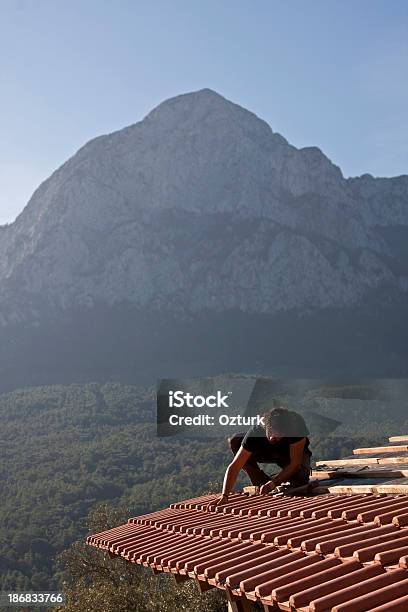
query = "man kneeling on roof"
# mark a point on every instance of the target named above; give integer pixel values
(272, 442)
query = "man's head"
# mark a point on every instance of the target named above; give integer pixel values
(281, 422)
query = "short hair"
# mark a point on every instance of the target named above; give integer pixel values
(284, 422)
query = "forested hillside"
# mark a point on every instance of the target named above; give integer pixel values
(65, 449)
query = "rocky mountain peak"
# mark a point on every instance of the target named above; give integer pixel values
(202, 199)
(204, 106)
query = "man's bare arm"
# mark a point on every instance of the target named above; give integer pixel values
(231, 475)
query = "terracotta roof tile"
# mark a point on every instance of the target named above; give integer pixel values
(342, 575)
(352, 537)
(401, 520)
(324, 571)
(391, 556)
(383, 509)
(366, 505)
(364, 540)
(398, 605)
(368, 552)
(386, 588)
(351, 598)
(332, 552)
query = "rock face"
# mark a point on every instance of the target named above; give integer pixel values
(201, 206)
(201, 226)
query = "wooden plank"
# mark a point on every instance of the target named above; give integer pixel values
(395, 487)
(370, 472)
(351, 488)
(398, 439)
(347, 461)
(386, 460)
(251, 490)
(381, 449)
(324, 474)
(384, 473)
(340, 472)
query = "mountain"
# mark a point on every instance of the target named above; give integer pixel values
(201, 226)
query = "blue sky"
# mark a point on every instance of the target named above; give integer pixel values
(329, 73)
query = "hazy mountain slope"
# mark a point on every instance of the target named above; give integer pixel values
(201, 198)
(198, 211)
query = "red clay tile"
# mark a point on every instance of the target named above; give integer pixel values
(215, 552)
(356, 590)
(319, 506)
(386, 518)
(398, 605)
(240, 566)
(190, 554)
(105, 535)
(394, 506)
(279, 532)
(335, 508)
(230, 554)
(204, 562)
(147, 550)
(275, 523)
(352, 537)
(209, 566)
(266, 500)
(364, 507)
(376, 597)
(326, 543)
(401, 520)
(254, 577)
(188, 539)
(296, 540)
(191, 549)
(367, 553)
(391, 556)
(220, 564)
(295, 506)
(349, 575)
(318, 577)
(363, 499)
(364, 540)
(282, 509)
(306, 567)
(234, 528)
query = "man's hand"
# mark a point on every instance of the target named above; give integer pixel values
(222, 499)
(267, 487)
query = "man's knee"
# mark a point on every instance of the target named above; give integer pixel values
(235, 442)
(302, 476)
(299, 479)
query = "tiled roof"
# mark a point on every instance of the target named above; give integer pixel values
(344, 553)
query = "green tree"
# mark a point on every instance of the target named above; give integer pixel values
(93, 581)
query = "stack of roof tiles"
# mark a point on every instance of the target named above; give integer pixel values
(331, 552)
